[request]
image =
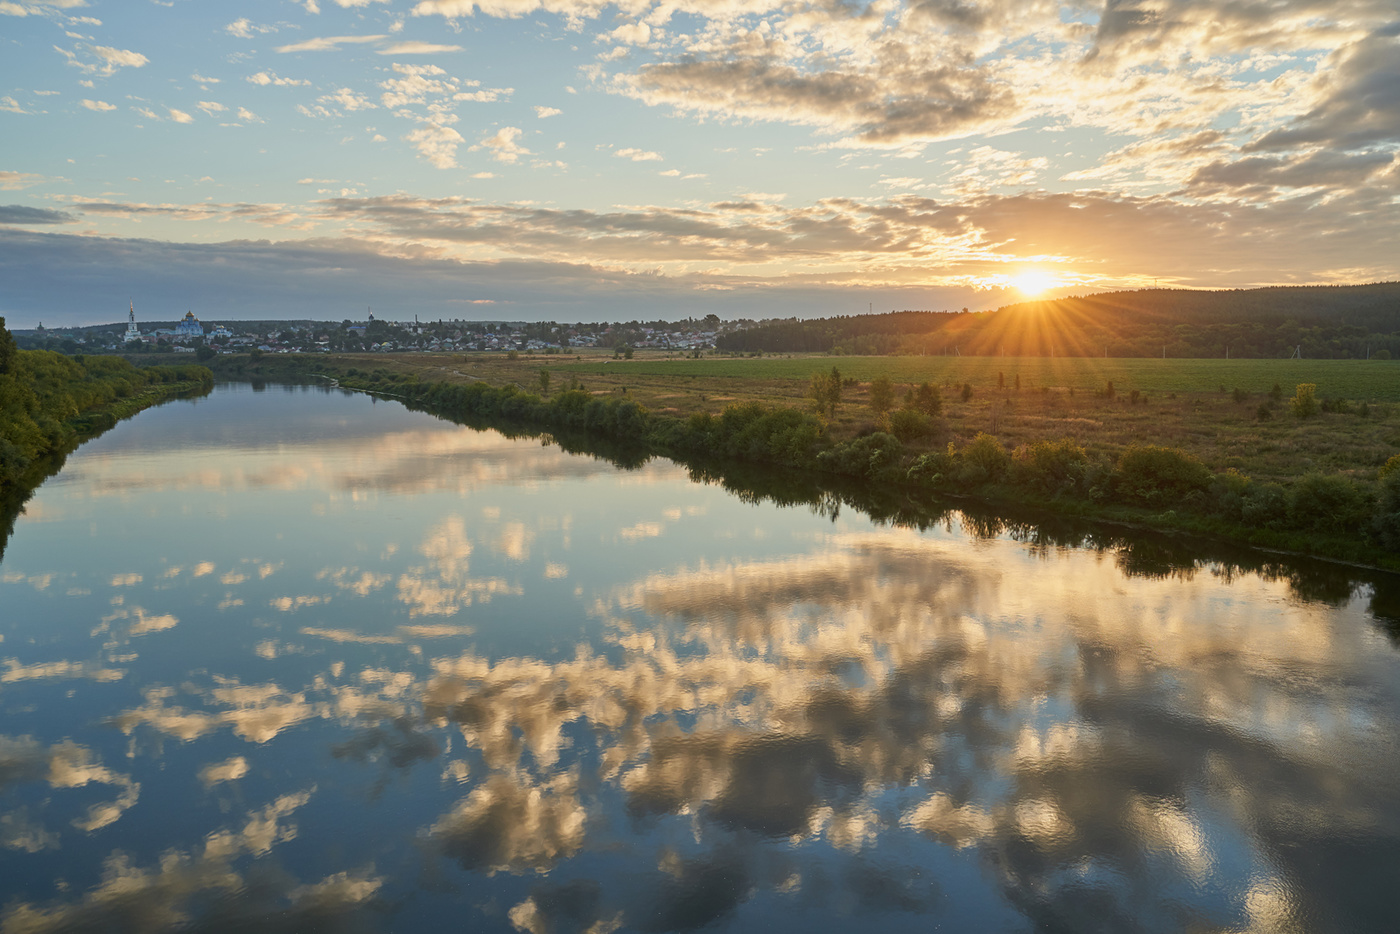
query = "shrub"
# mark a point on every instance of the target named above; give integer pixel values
(924, 398)
(1049, 466)
(1154, 475)
(966, 391)
(983, 459)
(1239, 395)
(910, 425)
(1304, 401)
(1387, 520)
(1328, 503)
(1263, 413)
(864, 457)
(1265, 505)
(1389, 467)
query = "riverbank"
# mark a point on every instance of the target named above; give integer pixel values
(49, 403)
(1125, 464)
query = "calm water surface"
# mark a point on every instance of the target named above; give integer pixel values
(296, 660)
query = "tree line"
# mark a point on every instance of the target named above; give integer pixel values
(1333, 322)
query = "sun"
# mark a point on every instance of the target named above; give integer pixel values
(1033, 282)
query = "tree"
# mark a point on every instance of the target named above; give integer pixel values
(203, 353)
(1304, 401)
(825, 392)
(925, 398)
(881, 395)
(544, 381)
(8, 349)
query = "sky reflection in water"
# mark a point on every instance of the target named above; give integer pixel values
(293, 658)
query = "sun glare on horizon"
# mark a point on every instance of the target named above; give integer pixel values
(1033, 282)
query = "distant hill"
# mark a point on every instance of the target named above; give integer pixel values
(1324, 321)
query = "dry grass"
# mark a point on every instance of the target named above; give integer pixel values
(1204, 420)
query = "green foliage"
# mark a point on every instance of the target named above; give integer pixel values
(825, 392)
(869, 457)
(544, 381)
(8, 349)
(1263, 413)
(1050, 467)
(966, 392)
(1264, 505)
(1391, 466)
(982, 460)
(924, 398)
(1329, 503)
(1239, 395)
(1304, 401)
(48, 401)
(911, 425)
(1152, 475)
(203, 353)
(1386, 523)
(881, 395)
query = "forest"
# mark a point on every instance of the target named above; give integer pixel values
(49, 401)
(1327, 322)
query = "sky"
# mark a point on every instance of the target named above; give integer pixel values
(579, 160)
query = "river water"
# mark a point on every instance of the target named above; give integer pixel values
(295, 659)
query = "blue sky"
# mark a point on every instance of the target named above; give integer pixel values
(577, 160)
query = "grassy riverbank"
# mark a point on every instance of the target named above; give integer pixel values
(50, 402)
(1230, 459)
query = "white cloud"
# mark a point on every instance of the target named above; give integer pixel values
(436, 143)
(638, 155)
(247, 116)
(211, 107)
(13, 181)
(10, 105)
(203, 80)
(118, 58)
(245, 29)
(503, 145)
(264, 78)
(418, 48)
(328, 43)
(179, 116)
(97, 105)
(543, 112)
(632, 34)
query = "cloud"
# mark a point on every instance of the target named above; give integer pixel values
(242, 28)
(211, 107)
(179, 116)
(328, 43)
(10, 105)
(503, 146)
(417, 48)
(1355, 99)
(20, 214)
(120, 58)
(436, 143)
(545, 112)
(264, 78)
(638, 155)
(97, 105)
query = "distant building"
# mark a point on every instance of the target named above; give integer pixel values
(131, 333)
(218, 331)
(189, 327)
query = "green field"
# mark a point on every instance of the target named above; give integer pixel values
(1371, 381)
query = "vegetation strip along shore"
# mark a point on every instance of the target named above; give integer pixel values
(1346, 516)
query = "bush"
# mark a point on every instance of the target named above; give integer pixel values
(1263, 413)
(1265, 505)
(1387, 520)
(1049, 466)
(910, 425)
(982, 460)
(924, 398)
(1239, 395)
(1154, 476)
(867, 457)
(1328, 503)
(1304, 401)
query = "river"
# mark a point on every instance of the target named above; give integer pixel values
(284, 659)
